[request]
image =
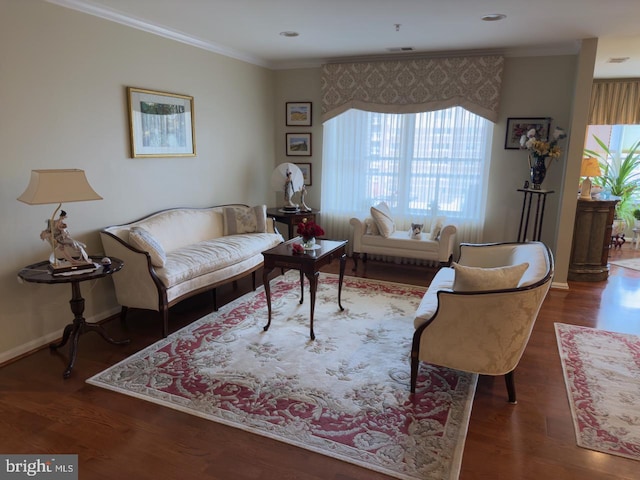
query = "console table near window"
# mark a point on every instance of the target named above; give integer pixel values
(525, 216)
(589, 260)
(39, 273)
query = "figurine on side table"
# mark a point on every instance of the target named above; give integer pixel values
(66, 248)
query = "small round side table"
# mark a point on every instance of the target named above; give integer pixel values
(39, 273)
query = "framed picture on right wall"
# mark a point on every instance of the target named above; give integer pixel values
(516, 127)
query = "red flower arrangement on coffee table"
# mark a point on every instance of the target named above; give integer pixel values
(308, 230)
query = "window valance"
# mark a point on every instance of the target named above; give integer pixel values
(615, 102)
(412, 86)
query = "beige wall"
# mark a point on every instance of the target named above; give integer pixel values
(532, 87)
(62, 89)
(300, 85)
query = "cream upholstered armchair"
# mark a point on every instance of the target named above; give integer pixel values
(477, 316)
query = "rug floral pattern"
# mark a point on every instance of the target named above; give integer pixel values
(345, 395)
(602, 375)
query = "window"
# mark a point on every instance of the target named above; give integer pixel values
(619, 139)
(424, 165)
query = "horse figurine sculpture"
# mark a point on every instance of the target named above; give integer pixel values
(64, 246)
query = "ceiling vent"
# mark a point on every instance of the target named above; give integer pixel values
(618, 60)
(400, 49)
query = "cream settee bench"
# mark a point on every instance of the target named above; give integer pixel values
(377, 235)
(477, 315)
(174, 254)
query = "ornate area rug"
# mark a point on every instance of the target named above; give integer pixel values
(345, 395)
(632, 263)
(602, 374)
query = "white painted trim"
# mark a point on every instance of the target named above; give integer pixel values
(560, 285)
(118, 17)
(51, 337)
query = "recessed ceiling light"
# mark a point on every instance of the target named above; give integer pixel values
(289, 34)
(494, 17)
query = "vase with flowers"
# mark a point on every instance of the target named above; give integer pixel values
(309, 230)
(541, 153)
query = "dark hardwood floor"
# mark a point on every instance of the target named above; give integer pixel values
(117, 436)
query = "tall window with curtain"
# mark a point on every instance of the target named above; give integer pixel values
(424, 165)
(614, 117)
(619, 139)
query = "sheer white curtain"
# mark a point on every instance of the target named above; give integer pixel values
(424, 165)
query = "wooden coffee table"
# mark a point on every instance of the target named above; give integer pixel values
(309, 264)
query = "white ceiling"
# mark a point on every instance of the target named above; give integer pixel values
(249, 30)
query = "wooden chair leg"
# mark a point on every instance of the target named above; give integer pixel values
(356, 255)
(511, 387)
(123, 315)
(165, 321)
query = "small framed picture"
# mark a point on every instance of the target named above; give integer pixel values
(298, 144)
(516, 127)
(306, 172)
(299, 114)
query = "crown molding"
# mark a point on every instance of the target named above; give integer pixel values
(118, 17)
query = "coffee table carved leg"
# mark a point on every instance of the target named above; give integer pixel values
(313, 286)
(267, 291)
(301, 287)
(343, 262)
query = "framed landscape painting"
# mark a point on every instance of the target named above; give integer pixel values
(299, 114)
(516, 127)
(298, 144)
(305, 168)
(161, 124)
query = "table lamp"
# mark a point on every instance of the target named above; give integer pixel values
(59, 186)
(590, 168)
(288, 177)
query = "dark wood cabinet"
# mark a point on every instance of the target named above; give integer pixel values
(591, 240)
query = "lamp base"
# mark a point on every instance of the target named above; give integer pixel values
(585, 189)
(291, 209)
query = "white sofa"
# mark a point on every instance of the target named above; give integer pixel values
(367, 239)
(478, 314)
(177, 253)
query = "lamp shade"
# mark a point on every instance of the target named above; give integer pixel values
(58, 186)
(590, 167)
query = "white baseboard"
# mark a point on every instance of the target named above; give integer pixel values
(51, 337)
(560, 286)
